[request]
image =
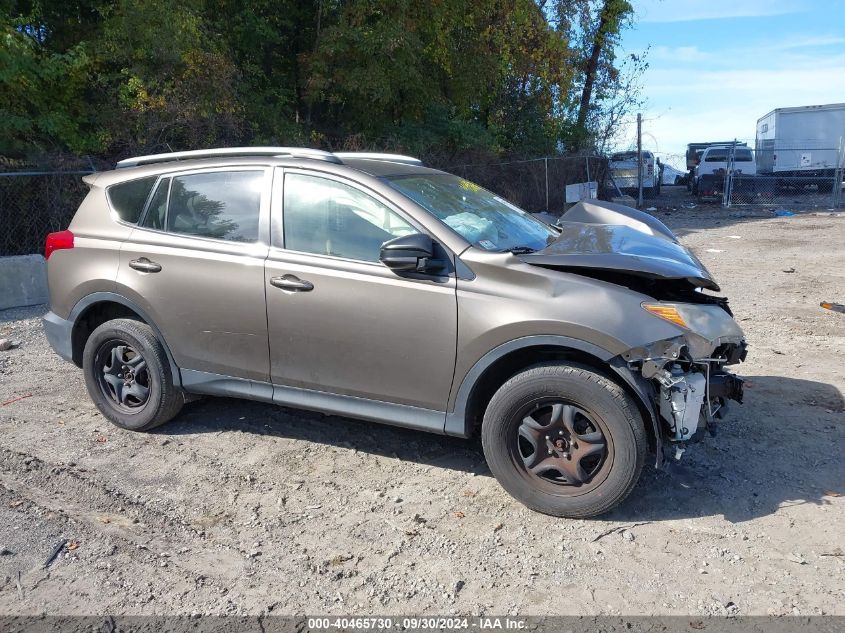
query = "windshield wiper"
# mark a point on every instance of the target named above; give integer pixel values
(520, 250)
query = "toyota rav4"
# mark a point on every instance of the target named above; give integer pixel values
(370, 286)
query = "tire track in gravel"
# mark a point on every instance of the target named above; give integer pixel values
(105, 512)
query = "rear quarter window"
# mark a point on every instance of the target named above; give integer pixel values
(128, 198)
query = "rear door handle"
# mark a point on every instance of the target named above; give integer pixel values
(145, 265)
(292, 283)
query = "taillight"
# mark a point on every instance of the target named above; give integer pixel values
(57, 242)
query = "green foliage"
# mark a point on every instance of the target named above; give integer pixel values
(441, 78)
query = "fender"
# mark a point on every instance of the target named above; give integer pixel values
(112, 297)
(456, 421)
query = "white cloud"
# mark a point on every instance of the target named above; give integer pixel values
(694, 94)
(687, 10)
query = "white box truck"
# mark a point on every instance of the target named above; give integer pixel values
(801, 142)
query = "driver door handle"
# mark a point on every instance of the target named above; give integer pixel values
(145, 265)
(292, 283)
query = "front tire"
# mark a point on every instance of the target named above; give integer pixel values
(128, 376)
(564, 440)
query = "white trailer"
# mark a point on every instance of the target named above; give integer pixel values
(801, 142)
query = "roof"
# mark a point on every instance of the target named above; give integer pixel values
(377, 165)
(790, 110)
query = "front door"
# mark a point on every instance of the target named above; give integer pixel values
(339, 320)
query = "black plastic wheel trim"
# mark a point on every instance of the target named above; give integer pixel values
(122, 375)
(560, 447)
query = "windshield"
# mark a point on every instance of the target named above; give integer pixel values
(479, 216)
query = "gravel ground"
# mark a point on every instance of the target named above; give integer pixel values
(245, 508)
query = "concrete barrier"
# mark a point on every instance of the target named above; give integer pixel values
(23, 281)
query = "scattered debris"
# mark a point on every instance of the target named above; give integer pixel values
(714, 250)
(783, 213)
(836, 307)
(58, 548)
(72, 546)
(498, 527)
(102, 439)
(18, 584)
(837, 552)
(3, 404)
(5, 551)
(789, 270)
(16, 504)
(797, 558)
(652, 209)
(628, 536)
(459, 515)
(831, 493)
(7, 344)
(619, 528)
(734, 237)
(339, 559)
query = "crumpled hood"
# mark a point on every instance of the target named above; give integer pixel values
(644, 248)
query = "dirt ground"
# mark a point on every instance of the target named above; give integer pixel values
(245, 508)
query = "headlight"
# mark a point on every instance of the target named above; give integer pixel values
(708, 321)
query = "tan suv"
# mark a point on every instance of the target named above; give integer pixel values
(370, 286)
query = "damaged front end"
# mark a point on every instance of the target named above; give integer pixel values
(690, 386)
(682, 379)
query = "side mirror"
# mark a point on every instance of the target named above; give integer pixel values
(411, 254)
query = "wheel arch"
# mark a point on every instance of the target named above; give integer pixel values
(95, 309)
(501, 363)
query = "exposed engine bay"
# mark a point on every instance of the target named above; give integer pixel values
(691, 393)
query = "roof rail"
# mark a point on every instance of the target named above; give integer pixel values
(229, 152)
(391, 158)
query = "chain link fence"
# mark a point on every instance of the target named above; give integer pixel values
(805, 174)
(35, 203)
(538, 184)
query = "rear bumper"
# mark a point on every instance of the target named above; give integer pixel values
(59, 333)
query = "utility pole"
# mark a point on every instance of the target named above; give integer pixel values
(639, 161)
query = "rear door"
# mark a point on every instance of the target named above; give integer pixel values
(195, 263)
(339, 320)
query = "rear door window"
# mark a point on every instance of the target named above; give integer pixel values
(128, 198)
(222, 205)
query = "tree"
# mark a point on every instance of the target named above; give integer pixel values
(597, 99)
(441, 79)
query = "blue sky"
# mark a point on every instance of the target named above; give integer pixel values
(716, 66)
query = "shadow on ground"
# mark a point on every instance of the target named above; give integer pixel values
(780, 447)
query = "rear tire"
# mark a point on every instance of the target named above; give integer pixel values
(579, 466)
(128, 376)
